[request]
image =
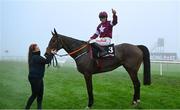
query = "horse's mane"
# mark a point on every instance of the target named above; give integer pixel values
(72, 40)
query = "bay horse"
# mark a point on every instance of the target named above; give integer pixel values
(128, 55)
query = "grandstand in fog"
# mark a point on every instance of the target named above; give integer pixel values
(158, 53)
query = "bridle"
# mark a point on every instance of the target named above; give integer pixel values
(54, 59)
(70, 53)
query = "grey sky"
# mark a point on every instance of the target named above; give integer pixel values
(140, 22)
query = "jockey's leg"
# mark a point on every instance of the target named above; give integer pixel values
(101, 50)
(97, 46)
(103, 42)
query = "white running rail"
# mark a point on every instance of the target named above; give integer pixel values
(164, 62)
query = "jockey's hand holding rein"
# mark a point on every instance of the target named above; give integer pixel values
(89, 40)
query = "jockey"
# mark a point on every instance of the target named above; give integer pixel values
(104, 31)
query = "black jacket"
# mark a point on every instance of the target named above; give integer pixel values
(37, 65)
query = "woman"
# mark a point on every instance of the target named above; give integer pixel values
(36, 65)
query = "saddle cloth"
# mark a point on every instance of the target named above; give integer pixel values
(109, 51)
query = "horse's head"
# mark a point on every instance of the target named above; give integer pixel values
(54, 43)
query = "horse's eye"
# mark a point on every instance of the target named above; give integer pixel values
(53, 41)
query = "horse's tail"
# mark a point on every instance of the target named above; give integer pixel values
(147, 65)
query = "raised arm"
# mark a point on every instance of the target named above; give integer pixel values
(114, 21)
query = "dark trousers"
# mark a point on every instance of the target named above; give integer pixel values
(37, 88)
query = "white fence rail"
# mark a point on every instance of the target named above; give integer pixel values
(14, 58)
(164, 62)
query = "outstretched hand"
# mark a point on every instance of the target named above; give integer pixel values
(113, 11)
(53, 52)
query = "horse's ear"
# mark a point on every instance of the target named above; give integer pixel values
(55, 31)
(52, 33)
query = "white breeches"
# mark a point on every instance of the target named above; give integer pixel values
(102, 41)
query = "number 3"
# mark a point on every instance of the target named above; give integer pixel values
(110, 50)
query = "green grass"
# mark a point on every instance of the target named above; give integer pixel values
(65, 88)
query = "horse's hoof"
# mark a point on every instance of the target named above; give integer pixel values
(87, 108)
(134, 103)
(138, 101)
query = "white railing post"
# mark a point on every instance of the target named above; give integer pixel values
(161, 69)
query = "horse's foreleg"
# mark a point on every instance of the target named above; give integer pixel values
(88, 79)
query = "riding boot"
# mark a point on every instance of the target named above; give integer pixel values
(101, 50)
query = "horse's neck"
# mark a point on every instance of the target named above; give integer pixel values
(70, 44)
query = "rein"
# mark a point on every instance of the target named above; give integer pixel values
(55, 62)
(73, 52)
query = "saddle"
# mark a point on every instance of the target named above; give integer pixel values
(100, 52)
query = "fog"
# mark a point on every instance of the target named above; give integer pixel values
(23, 22)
